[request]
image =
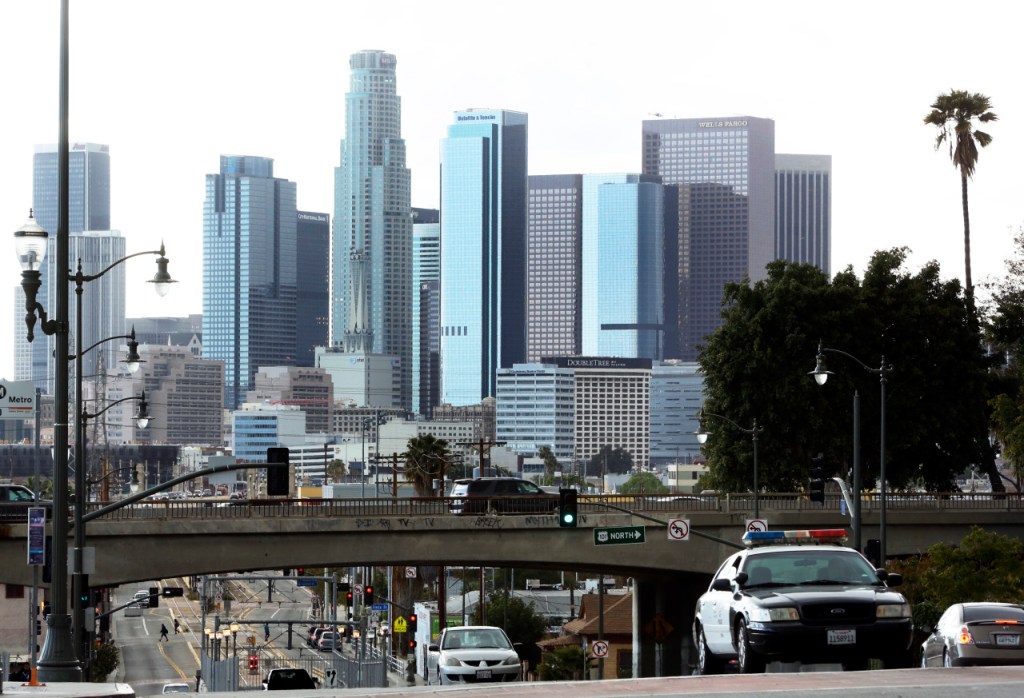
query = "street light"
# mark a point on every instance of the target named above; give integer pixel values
(821, 374)
(752, 432)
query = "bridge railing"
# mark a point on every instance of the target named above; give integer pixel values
(730, 503)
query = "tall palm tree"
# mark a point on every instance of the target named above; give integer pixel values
(426, 460)
(954, 115)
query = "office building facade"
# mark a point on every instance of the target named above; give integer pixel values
(88, 210)
(309, 389)
(535, 407)
(803, 210)
(483, 251)
(554, 246)
(371, 250)
(249, 271)
(725, 169)
(677, 395)
(185, 396)
(426, 310)
(313, 260)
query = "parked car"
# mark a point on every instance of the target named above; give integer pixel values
(801, 596)
(288, 679)
(976, 633)
(507, 495)
(476, 654)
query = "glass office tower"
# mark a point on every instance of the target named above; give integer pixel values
(803, 209)
(249, 271)
(371, 252)
(726, 211)
(314, 254)
(426, 311)
(483, 251)
(88, 209)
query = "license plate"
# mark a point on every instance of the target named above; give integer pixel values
(483, 673)
(842, 637)
(1007, 640)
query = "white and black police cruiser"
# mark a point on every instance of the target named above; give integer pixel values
(801, 596)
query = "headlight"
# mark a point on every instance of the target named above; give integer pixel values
(892, 610)
(511, 660)
(452, 660)
(771, 615)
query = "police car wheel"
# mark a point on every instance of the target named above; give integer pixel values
(750, 662)
(707, 662)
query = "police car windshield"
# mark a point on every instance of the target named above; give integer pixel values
(808, 565)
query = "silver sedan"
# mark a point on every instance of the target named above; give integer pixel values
(976, 633)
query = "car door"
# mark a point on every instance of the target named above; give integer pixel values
(714, 608)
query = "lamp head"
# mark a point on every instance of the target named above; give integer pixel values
(820, 372)
(133, 360)
(701, 433)
(162, 280)
(142, 418)
(30, 244)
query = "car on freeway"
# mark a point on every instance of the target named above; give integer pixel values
(976, 633)
(325, 642)
(472, 654)
(288, 679)
(141, 598)
(16, 493)
(313, 640)
(801, 596)
(176, 687)
(506, 495)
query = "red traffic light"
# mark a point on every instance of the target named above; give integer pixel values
(254, 661)
(411, 626)
(412, 644)
(348, 598)
(368, 591)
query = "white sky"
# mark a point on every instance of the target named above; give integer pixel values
(170, 86)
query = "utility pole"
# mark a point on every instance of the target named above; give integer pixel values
(483, 448)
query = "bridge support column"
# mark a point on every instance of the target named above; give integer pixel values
(662, 622)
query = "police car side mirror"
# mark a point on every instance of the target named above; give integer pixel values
(881, 574)
(893, 579)
(723, 584)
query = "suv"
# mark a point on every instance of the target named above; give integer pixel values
(141, 598)
(16, 493)
(508, 495)
(288, 679)
(788, 599)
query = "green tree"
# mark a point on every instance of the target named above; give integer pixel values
(551, 465)
(562, 664)
(643, 483)
(336, 470)
(610, 460)
(756, 366)
(1005, 331)
(520, 620)
(426, 460)
(954, 114)
(104, 663)
(44, 487)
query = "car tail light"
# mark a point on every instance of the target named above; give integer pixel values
(965, 637)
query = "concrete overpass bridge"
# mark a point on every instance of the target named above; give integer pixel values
(169, 539)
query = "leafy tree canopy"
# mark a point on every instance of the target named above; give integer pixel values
(610, 460)
(562, 664)
(426, 460)
(756, 366)
(643, 483)
(519, 619)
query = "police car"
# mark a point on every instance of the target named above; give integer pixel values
(801, 596)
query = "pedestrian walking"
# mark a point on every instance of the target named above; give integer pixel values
(266, 632)
(177, 626)
(163, 633)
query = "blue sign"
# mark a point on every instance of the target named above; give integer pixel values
(302, 582)
(379, 607)
(36, 536)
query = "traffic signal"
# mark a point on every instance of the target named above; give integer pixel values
(368, 594)
(411, 625)
(816, 486)
(39, 627)
(567, 508)
(277, 474)
(254, 664)
(154, 597)
(300, 571)
(412, 644)
(348, 598)
(170, 592)
(286, 572)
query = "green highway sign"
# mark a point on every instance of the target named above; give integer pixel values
(619, 536)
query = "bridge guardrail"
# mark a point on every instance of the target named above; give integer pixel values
(731, 503)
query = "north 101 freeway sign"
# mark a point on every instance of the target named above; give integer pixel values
(621, 535)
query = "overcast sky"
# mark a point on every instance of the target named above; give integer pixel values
(170, 86)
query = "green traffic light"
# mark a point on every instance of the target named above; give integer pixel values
(568, 518)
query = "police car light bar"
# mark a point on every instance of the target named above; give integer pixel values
(825, 535)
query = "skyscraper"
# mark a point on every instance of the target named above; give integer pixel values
(553, 269)
(426, 309)
(483, 251)
(88, 209)
(726, 169)
(803, 209)
(249, 271)
(314, 254)
(371, 253)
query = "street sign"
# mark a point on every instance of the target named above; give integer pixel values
(679, 529)
(757, 524)
(36, 536)
(379, 607)
(400, 624)
(304, 582)
(17, 399)
(410, 573)
(619, 536)
(600, 649)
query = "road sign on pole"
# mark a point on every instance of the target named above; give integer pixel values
(600, 649)
(757, 525)
(679, 529)
(620, 535)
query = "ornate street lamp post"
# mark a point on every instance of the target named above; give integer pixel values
(702, 437)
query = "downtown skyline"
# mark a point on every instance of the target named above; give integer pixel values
(586, 106)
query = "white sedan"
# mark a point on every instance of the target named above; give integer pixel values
(476, 654)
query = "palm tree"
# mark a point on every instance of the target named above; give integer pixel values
(954, 114)
(426, 460)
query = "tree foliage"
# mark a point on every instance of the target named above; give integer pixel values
(562, 664)
(519, 619)
(426, 460)
(1005, 332)
(610, 460)
(103, 664)
(643, 483)
(756, 366)
(985, 566)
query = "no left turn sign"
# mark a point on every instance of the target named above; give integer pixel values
(600, 649)
(757, 524)
(679, 529)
